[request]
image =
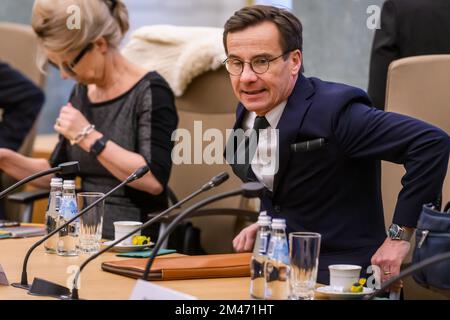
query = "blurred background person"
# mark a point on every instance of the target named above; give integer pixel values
(408, 28)
(20, 103)
(119, 116)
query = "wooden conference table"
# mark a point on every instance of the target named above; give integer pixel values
(98, 284)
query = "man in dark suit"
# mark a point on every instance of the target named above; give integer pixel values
(408, 28)
(20, 102)
(330, 143)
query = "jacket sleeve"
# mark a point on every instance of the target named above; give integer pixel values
(21, 102)
(385, 49)
(423, 150)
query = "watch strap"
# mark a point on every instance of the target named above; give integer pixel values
(98, 146)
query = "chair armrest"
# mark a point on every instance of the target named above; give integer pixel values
(26, 197)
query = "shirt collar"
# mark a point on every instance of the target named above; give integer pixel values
(274, 115)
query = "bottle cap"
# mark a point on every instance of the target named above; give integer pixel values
(56, 182)
(279, 224)
(263, 219)
(69, 184)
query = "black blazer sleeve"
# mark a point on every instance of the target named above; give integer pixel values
(385, 49)
(423, 150)
(21, 102)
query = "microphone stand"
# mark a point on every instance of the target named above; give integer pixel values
(248, 190)
(214, 182)
(408, 271)
(43, 287)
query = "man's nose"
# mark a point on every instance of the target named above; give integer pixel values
(248, 75)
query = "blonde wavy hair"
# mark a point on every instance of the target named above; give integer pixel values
(98, 18)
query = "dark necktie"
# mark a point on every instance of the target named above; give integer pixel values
(260, 123)
(251, 145)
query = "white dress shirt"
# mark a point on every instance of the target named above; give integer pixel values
(266, 160)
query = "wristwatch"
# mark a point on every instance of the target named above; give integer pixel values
(396, 232)
(98, 146)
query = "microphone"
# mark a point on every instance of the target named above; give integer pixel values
(63, 168)
(248, 190)
(214, 182)
(43, 287)
(408, 271)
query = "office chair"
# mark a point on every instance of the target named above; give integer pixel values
(417, 87)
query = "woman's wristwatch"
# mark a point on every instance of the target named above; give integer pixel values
(98, 146)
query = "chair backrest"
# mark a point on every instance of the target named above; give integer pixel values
(19, 47)
(208, 103)
(417, 87)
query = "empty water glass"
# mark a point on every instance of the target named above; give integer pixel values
(91, 223)
(304, 250)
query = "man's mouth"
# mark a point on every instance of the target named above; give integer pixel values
(253, 92)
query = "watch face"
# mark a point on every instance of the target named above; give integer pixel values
(394, 231)
(98, 146)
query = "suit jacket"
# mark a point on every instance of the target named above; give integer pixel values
(21, 101)
(335, 190)
(408, 28)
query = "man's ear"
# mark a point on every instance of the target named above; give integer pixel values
(102, 44)
(296, 62)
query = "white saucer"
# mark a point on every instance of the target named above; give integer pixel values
(126, 247)
(339, 295)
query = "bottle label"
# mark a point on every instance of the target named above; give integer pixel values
(278, 250)
(263, 244)
(69, 208)
(58, 201)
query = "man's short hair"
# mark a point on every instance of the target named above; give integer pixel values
(288, 25)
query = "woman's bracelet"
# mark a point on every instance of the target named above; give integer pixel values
(83, 134)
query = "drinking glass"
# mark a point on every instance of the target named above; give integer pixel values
(304, 250)
(91, 222)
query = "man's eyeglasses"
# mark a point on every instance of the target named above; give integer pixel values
(69, 66)
(259, 65)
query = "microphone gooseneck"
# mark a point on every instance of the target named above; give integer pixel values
(214, 182)
(24, 278)
(248, 190)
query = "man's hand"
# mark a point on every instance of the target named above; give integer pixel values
(245, 240)
(389, 258)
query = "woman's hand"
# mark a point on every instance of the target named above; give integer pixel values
(70, 122)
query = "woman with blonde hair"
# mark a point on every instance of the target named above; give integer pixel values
(119, 116)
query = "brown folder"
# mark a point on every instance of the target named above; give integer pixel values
(185, 267)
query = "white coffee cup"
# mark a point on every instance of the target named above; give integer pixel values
(122, 228)
(343, 276)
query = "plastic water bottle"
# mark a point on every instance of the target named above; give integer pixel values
(257, 282)
(277, 264)
(68, 236)
(52, 213)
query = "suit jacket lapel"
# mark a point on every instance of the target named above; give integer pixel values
(237, 168)
(290, 123)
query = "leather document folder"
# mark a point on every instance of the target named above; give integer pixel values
(185, 267)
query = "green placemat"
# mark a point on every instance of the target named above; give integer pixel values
(5, 236)
(145, 254)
